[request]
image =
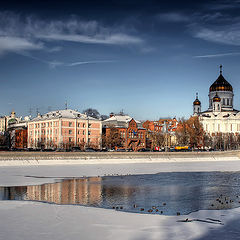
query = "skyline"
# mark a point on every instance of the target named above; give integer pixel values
(147, 58)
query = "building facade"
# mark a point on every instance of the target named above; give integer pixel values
(64, 129)
(131, 132)
(5, 121)
(162, 125)
(220, 117)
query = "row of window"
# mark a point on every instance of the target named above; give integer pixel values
(219, 128)
(49, 131)
(55, 124)
(135, 135)
(44, 139)
(48, 124)
(132, 134)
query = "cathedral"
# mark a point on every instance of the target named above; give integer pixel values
(220, 117)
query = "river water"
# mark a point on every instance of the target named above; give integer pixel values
(163, 193)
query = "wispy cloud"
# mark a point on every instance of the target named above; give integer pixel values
(16, 44)
(55, 63)
(217, 55)
(30, 33)
(223, 5)
(115, 39)
(173, 17)
(88, 62)
(228, 34)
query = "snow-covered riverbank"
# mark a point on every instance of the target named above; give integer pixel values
(37, 221)
(76, 158)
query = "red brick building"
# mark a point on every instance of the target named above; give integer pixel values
(162, 125)
(131, 132)
(21, 137)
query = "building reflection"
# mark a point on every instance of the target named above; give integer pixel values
(184, 192)
(71, 191)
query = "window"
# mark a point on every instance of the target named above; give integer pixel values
(47, 124)
(83, 132)
(227, 101)
(70, 131)
(78, 139)
(89, 125)
(89, 132)
(56, 131)
(224, 101)
(78, 131)
(70, 124)
(83, 140)
(78, 124)
(70, 140)
(83, 125)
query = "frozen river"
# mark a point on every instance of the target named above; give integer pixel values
(144, 185)
(168, 193)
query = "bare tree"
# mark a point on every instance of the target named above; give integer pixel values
(91, 112)
(112, 138)
(157, 139)
(190, 132)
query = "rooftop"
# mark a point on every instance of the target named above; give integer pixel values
(66, 113)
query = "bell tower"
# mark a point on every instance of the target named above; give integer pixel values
(196, 106)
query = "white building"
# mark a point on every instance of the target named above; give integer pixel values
(220, 116)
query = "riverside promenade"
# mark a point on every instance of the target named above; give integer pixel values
(55, 158)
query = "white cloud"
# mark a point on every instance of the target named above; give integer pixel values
(217, 55)
(88, 62)
(55, 63)
(15, 44)
(24, 32)
(115, 39)
(229, 35)
(55, 49)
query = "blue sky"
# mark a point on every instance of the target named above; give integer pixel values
(148, 58)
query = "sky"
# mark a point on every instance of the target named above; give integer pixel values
(147, 58)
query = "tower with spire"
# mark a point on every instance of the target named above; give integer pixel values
(196, 106)
(223, 89)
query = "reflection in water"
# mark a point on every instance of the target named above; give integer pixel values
(168, 193)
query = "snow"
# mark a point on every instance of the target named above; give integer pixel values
(37, 221)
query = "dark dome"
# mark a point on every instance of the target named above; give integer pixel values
(196, 102)
(216, 98)
(221, 84)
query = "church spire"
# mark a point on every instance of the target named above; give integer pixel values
(221, 69)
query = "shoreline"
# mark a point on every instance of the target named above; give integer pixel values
(83, 158)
